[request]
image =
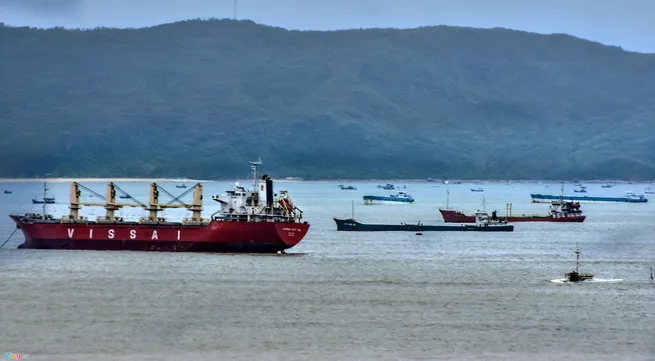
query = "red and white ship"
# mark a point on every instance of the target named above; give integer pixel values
(559, 212)
(249, 221)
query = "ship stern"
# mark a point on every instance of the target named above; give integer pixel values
(291, 233)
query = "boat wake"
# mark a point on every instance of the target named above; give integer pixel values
(595, 280)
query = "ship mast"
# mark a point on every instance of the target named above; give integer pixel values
(45, 193)
(577, 257)
(253, 166)
(561, 195)
(353, 210)
(447, 198)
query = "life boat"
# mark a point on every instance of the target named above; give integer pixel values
(286, 204)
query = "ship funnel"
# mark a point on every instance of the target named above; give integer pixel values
(266, 192)
(269, 193)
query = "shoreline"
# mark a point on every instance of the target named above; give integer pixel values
(67, 180)
(282, 180)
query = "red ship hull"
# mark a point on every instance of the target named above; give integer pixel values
(215, 236)
(451, 216)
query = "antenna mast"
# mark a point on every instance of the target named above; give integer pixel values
(447, 198)
(561, 196)
(45, 193)
(253, 166)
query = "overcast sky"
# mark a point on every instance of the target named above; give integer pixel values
(626, 23)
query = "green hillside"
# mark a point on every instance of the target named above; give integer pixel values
(200, 98)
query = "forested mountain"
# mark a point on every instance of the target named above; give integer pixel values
(200, 98)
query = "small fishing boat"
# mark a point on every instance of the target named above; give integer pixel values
(575, 275)
(7, 192)
(346, 188)
(181, 186)
(478, 189)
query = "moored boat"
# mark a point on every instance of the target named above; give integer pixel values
(484, 223)
(387, 186)
(630, 197)
(559, 211)
(256, 220)
(400, 197)
(45, 199)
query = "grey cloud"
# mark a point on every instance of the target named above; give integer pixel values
(43, 7)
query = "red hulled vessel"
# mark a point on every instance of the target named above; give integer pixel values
(249, 221)
(559, 212)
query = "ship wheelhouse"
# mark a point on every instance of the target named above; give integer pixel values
(260, 204)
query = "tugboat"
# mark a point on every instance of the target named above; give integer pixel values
(400, 197)
(576, 276)
(253, 220)
(484, 223)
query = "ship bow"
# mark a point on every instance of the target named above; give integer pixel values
(19, 224)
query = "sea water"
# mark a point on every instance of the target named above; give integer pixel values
(343, 295)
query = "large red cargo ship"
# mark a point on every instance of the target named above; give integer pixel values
(249, 221)
(559, 212)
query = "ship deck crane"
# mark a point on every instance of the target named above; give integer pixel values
(153, 206)
(110, 201)
(195, 207)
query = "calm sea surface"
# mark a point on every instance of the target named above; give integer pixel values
(341, 295)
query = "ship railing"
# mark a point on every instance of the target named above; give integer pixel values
(192, 221)
(70, 219)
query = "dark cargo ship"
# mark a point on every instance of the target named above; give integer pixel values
(560, 211)
(249, 221)
(484, 223)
